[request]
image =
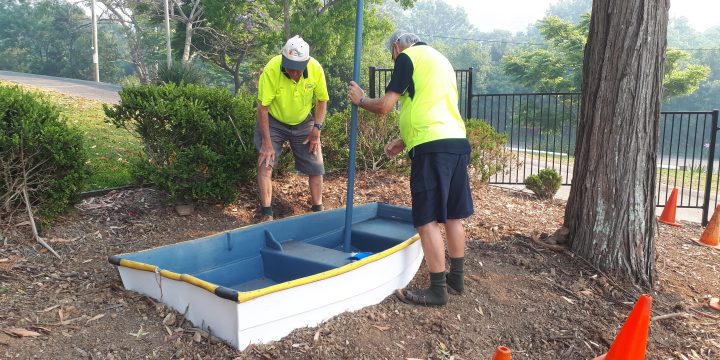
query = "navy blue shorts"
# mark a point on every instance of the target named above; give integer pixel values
(440, 188)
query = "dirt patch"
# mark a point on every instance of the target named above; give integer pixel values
(543, 304)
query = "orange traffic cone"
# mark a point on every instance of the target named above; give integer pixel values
(668, 214)
(632, 339)
(502, 353)
(711, 236)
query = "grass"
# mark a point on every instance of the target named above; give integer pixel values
(692, 179)
(109, 149)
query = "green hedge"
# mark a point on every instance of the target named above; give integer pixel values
(33, 137)
(197, 139)
(490, 154)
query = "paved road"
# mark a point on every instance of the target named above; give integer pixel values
(104, 92)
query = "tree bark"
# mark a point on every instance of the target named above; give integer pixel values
(188, 42)
(286, 17)
(611, 208)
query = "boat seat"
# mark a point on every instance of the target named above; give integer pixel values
(379, 234)
(296, 259)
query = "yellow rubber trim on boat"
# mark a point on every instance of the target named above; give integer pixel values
(151, 268)
(137, 265)
(249, 295)
(197, 282)
(171, 275)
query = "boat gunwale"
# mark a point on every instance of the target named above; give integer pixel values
(243, 296)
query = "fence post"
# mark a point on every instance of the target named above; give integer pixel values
(708, 177)
(371, 80)
(469, 92)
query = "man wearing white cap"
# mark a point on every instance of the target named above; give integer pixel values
(289, 86)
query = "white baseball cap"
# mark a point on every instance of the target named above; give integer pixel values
(295, 53)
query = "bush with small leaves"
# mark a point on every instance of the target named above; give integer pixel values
(38, 152)
(545, 184)
(197, 139)
(374, 131)
(490, 154)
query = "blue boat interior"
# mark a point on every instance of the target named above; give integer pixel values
(262, 255)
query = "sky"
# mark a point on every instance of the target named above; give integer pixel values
(515, 15)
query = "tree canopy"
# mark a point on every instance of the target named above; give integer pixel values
(52, 37)
(557, 67)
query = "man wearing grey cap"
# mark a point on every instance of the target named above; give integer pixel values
(433, 133)
(290, 85)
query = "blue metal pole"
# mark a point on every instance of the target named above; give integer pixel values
(359, 9)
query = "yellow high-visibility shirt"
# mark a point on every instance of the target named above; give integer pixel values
(432, 113)
(289, 101)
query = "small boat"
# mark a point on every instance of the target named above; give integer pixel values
(257, 283)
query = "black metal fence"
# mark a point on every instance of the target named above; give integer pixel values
(541, 130)
(687, 159)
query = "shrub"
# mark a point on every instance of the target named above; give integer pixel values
(179, 73)
(197, 139)
(545, 184)
(38, 149)
(489, 152)
(374, 131)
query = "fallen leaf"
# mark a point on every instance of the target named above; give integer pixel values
(317, 336)
(19, 332)
(568, 300)
(381, 328)
(61, 240)
(96, 317)
(50, 308)
(169, 319)
(139, 333)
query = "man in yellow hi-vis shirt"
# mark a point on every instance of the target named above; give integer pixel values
(433, 132)
(290, 84)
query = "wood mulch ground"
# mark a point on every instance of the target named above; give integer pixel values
(543, 304)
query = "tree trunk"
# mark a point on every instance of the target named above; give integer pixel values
(611, 208)
(188, 42)
(286, 16)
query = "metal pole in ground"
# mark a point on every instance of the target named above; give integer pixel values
(96, 58)
(359, 6)
(709, 176)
